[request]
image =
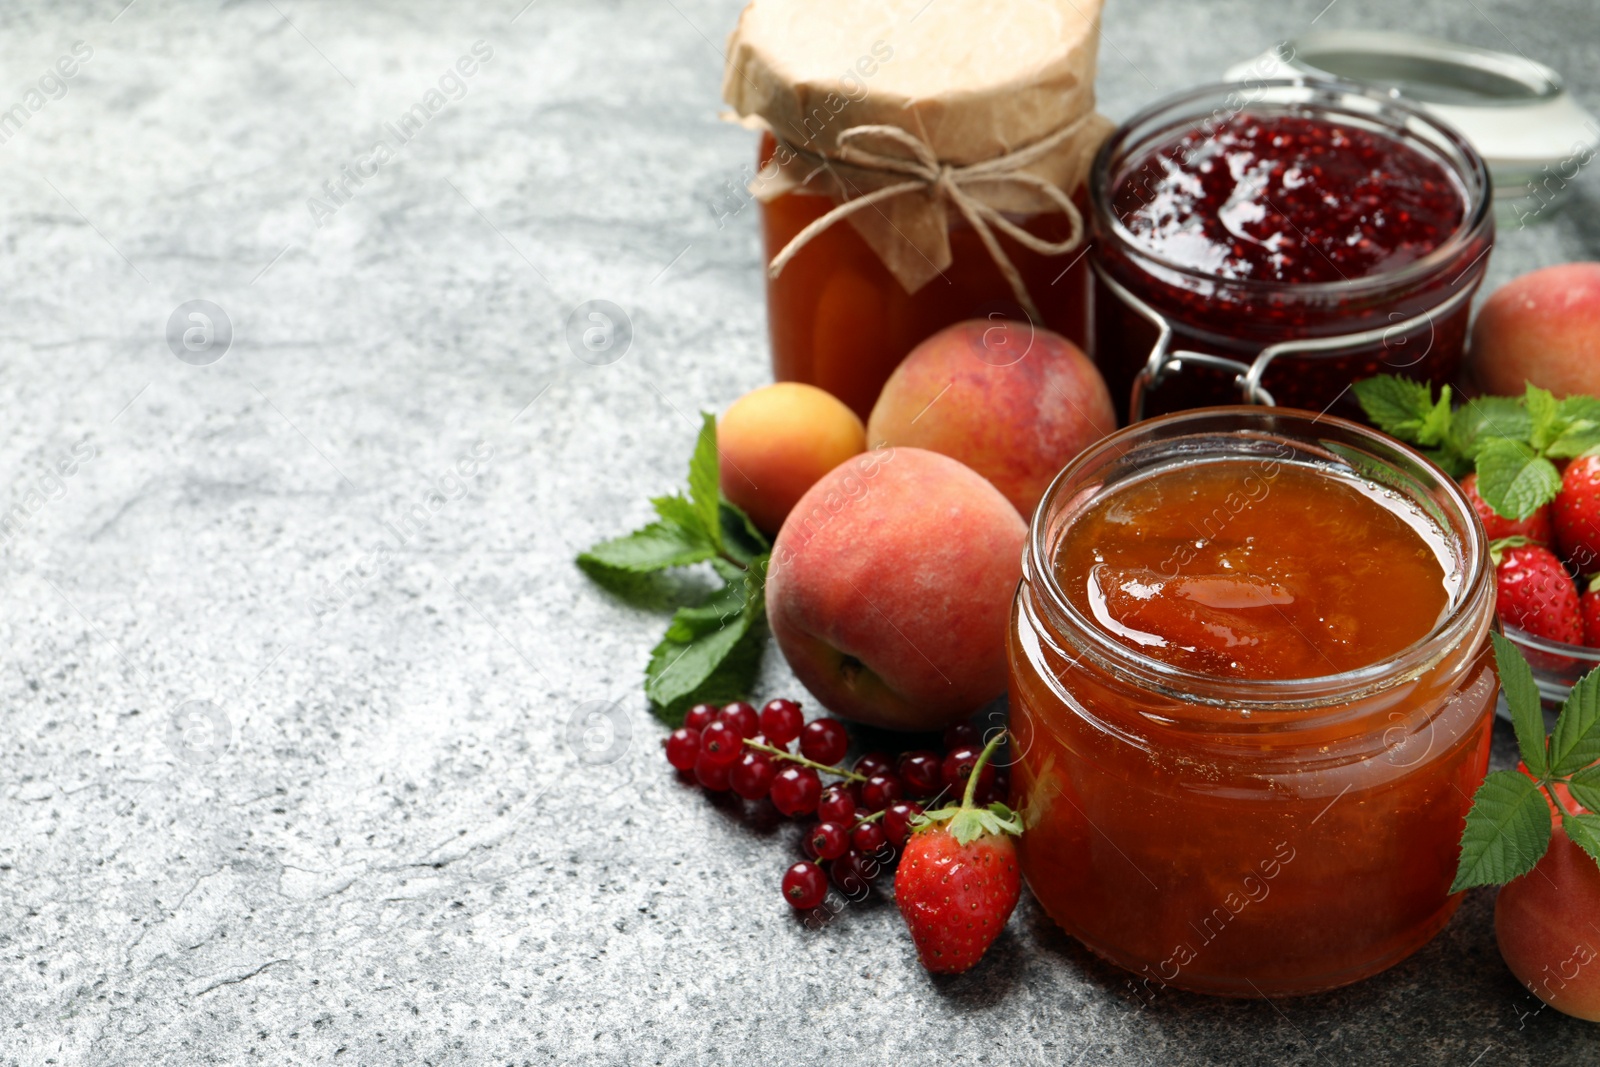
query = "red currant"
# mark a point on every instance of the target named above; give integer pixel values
(837, 805)
(826, 841)
(804, 886)
(796, 791)
(868, 838)
(998, 789)
(721, 743)
(850, 874)
(870, 763)
(742, 717)
(683, 746)
(824, 741)
(752, 776)
(699, 717)
(880, 791)
(920, 773)
(958, 764)
(962, 733)
(781, 721)
(714, 776)
(897, 821)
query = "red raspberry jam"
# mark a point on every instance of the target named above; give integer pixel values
(1308, 213)
(1289, 199)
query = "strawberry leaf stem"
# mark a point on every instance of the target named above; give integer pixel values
(977, 768)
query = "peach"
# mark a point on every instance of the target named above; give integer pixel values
(1013, 402)
(1545, 924)
(890, 589)
(1544, 328)
(777, 441)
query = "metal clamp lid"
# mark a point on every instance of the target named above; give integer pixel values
(1164, 362)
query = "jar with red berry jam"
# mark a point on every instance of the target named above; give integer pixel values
(1277, 242)
(1252, 695)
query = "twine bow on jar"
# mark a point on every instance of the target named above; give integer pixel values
(926, 173)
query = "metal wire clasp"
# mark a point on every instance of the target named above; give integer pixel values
(1164, 362)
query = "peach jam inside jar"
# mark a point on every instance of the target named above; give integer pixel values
(1293, 214)
(1252, 694)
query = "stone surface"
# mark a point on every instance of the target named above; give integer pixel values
(382, 840)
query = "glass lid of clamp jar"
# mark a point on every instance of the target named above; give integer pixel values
(1276, 242)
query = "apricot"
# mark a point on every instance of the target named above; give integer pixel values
(1012, 401)
(1547, 924)
(777, 441)
(1543, 327)
(890, 589)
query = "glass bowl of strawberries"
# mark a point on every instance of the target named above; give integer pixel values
(1531, 467)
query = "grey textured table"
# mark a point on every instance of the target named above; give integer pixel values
(388, 846)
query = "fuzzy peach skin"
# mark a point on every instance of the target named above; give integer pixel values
(1543, 328)
(890, 589)
(775, 442)
(1545, 923)
(1013, 402)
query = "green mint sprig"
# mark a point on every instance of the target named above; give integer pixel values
(1508, 441)
(1509, 826)
(711, 651)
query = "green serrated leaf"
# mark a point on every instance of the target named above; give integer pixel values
(1514, 480)
(1584, 830)
(740, 538)
(1576, 741)
(652, 548)
(1396, 405)
(1435, 427)
(716, 667)
(1577, 439)
(716, 611)
(1486, 418)
(1544, 413)
(676, 510)
(1522, 697)
(703, 479)
(1581, 408)
(1507, 831)
(1585, 787)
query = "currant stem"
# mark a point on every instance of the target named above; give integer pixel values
(784, 754)
(977, 768)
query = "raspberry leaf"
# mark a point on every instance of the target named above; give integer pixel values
(1515, 480)
(1576, 741)
(1585, 787)
(1584, 830)
(1522, 698)
(1507, 831)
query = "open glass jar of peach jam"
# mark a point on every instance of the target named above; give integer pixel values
(1275, 243)
(1252, 695)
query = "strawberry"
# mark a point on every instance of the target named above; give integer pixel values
(1534, 592)
(1535, 527)
(1589, 604)
(1576, 512)
(958, 879)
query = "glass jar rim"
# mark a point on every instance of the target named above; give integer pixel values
(1255, 424)
(1322, 94)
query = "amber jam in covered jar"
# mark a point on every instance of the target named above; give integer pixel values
(1251, 694)
(1289, 239)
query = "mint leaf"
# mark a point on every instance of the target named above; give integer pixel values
(1585, 787)
(1508, 830)
(1576, 741)
(1487, 418)
(711, 652)
(1514, 480)
(1577, 438)
(653, 548)
(1396, 405)
(1581, 409)
(1522, 697)
(1584, 830)
(740, 538)
(1544, 414)
(703, 479)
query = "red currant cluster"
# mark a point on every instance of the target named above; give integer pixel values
(863, 820)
